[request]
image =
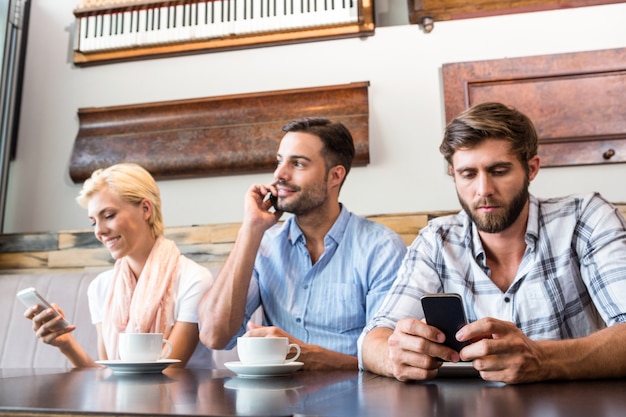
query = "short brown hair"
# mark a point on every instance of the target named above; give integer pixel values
(338, 143)
(491, 121)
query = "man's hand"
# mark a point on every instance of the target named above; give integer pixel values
(314, 357)
(416, 352)
(499, 351)
(257, 206)
(256, 330)
(502, 352)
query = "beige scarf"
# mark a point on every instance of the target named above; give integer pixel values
(143, 305)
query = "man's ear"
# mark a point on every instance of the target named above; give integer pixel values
(533, 167)
(336, 175)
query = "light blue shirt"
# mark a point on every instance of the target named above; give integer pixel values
(328, 303)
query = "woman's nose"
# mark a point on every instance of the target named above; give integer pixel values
(98, 229)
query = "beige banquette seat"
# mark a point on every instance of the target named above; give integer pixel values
(19, 346)
(61, 265)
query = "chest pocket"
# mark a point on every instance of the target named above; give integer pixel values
(342, 307)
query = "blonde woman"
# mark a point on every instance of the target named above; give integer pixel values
(152, 288)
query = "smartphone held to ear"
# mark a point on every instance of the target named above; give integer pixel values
(274, 200)
(445, 311)
(30, 297)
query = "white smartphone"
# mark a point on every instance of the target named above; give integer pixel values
(30, 296)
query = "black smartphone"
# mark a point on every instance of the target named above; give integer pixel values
(445, 311)
(274, 201)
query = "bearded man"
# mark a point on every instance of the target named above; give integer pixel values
(543, 280)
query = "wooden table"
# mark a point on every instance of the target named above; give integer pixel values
(220, 393)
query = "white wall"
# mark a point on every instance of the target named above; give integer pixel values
(402, 64)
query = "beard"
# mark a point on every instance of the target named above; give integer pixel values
(499, 221)
(306, 200)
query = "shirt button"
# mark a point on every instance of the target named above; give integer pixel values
(507, 299)
(306, 287)
(298, 320)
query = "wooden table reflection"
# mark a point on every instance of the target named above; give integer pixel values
(221, 393)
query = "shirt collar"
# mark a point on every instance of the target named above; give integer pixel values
(532, 227)
(335, 233)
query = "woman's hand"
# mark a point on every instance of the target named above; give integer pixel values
(49, 326)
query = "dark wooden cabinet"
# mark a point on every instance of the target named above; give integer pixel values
(576, 100)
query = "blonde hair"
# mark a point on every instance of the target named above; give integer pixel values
(132, 183)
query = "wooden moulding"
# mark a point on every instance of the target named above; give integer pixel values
(440, 10)
(208, 244)
(575, 100)
(225, 135)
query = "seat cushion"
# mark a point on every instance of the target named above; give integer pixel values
(19, 347)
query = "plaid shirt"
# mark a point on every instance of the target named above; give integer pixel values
(570, 283)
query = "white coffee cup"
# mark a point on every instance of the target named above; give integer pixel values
(143, 347)
(265, 350)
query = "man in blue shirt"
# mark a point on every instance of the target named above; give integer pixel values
(321, 275)
(543, 280)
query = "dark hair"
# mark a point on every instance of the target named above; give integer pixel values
(491, 121)
(338, 146)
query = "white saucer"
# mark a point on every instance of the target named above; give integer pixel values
(260, 371)
(154, 367)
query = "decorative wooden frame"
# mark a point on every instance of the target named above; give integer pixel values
(427, 12)
(576, 100)
(212, 136)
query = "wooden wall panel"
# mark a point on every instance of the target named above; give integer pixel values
(208, 244)
(427, 12)
(577, 100)
(212, 136)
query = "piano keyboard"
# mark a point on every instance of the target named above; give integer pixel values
(214, 21)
